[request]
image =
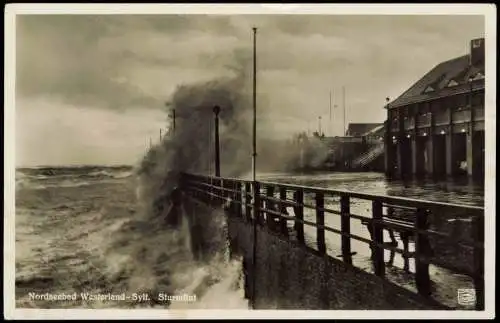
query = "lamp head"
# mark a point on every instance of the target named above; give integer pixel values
(216, 109)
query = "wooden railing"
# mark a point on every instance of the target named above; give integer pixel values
(267, 204)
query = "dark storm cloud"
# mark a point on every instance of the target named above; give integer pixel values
(135, 62)
(94, 60)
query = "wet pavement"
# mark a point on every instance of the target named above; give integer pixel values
(445, 283)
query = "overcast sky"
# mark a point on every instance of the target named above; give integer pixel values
(91, 89)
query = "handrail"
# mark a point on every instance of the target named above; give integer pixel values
(403, 201)
(388, 199)
(258, 202)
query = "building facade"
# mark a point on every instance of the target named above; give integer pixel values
(437, 127)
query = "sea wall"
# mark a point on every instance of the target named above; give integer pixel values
(289, 276)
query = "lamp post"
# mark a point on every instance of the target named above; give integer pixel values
(319, 126)
(216, 110)
(343, 103)
(172, 116)
(254, 141)
(217, 152)
(256, 188)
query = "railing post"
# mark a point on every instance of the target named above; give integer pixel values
(205, 196)
(248, 199)
(282, 207)
(210, 197)
(238, 199)
(299, 214)
(320, 221)
(256, 202)
(345, 225)
(270, 206)
(222, 192)
(478, 238)
(422, 278)
(378, 239)
(214, 191)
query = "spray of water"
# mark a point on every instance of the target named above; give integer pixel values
(214, 279)
(189, 148)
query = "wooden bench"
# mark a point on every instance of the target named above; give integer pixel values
(395, 224)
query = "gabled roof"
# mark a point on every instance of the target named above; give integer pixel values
(377, 130)
(435, 83)
(358, 129)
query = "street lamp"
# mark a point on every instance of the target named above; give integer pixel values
(319, 123)
(172, 116)
(216, 110)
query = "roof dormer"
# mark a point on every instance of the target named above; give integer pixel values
(429, 89)
(478, 76)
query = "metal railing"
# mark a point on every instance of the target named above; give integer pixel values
(267, 204)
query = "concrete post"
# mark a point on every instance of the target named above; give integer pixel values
(470, 153)
(450, 158)
(414, 155)
(450, 150)
(388, 148)
(387, 156)
(400, 148)
(470, 134)
(429, 149)
(432, 143)
(400, 157)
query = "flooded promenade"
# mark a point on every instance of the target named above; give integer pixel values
(445, 283)
(457, 190)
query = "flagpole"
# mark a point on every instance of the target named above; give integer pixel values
(330, 104)
(256, 189)
(254, 144)
(343, 103)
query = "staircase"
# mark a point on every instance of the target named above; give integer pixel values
(369, 156)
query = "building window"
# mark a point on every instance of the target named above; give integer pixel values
(457, 102)
(424, 108)
(477, 99)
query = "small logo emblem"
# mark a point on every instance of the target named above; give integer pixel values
(466, 296)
